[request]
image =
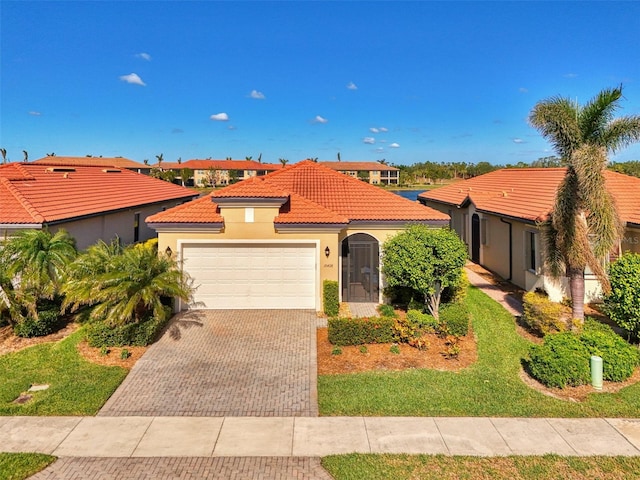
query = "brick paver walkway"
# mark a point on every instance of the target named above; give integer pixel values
(236, 468)
(226, 363)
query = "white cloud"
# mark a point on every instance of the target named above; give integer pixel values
(34, 113)
(144, 56)
(133, 78)
(219, 117)
(383, 129)
(374, 130)
(352, 86)
(320, 119)
(369, 140)
(518, 140)
(257, 95)
(379, 150)
(394, 145)
(523, 90)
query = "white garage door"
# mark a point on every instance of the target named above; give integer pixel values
(274, 275)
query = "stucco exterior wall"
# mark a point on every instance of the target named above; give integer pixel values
(87, 231)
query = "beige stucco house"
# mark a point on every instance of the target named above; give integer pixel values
(207, 173)
(91, 202)
(271, 242)
(375, 173)
(497, 216)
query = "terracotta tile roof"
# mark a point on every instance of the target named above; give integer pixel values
(529, 193)
(220, 165)
(40, 193)
(201, 210)
(351, 166)
(119, 162)
(318, 194)
(253, 187)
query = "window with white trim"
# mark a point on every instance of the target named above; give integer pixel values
(531, 254)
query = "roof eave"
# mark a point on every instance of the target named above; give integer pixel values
(309, 227)
(166, 227)
(398, 223)
(249, 201)
(20, 226)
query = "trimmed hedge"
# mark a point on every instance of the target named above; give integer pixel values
(100, 334)
(330, 298)
(564, 358)
(454, 319)
(47, 322)
(619, 359)
(560, 361)
(542, 315)
(358, 331)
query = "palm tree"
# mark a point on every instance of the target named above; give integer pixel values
(81, 285)
(160, 158)
(3, 152)
(129, 286)
(283, 161)
(36, 263)
(185, 175)
(26, 155)
(583, 225)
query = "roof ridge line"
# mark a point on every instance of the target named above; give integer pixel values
(333, 212)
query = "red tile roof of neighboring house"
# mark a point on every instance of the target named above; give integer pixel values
(529, 193)
(318, 194)
(220, 165)
(200, 210)
(41, 193)
(353, 166)
(253, 187)
(118, 162)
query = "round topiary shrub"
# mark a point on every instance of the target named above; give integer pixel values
(619, 359)
(562, 360)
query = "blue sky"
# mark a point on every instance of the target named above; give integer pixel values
(404, 81)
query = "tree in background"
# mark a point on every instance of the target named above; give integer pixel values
(425, 259)
(584, 224)
(185, 175)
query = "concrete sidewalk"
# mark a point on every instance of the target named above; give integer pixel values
(125, 437)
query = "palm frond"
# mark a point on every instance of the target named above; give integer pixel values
(621, 133)
(596, 114)
(557, 120)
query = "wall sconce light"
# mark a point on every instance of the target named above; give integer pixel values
(327, 252)
(168, 251)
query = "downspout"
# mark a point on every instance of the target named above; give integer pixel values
(510, 248)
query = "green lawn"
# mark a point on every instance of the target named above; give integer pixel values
(491, 387)
(441, 467)
(17, 466)
(77, 387)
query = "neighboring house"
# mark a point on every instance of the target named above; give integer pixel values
(116, 162)
(375, 173)
(271, 242)
(497, 215)
(220, 172)
(91, 203)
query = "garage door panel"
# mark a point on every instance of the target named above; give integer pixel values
(252, 275)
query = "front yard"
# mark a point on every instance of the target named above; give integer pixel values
(490, 387)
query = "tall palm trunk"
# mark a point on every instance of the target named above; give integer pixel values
(576, 287)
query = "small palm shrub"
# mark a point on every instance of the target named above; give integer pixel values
(358, 331)
(542, 316)
(562, 360)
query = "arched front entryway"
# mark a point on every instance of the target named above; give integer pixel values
(360, 269)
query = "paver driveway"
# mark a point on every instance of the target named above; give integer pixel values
(226, 363)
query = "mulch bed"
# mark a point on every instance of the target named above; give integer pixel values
(12, 343)
(379, 357)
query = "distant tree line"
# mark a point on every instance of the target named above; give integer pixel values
(435, 172)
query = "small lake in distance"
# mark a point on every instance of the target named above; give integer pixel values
(409, 194)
